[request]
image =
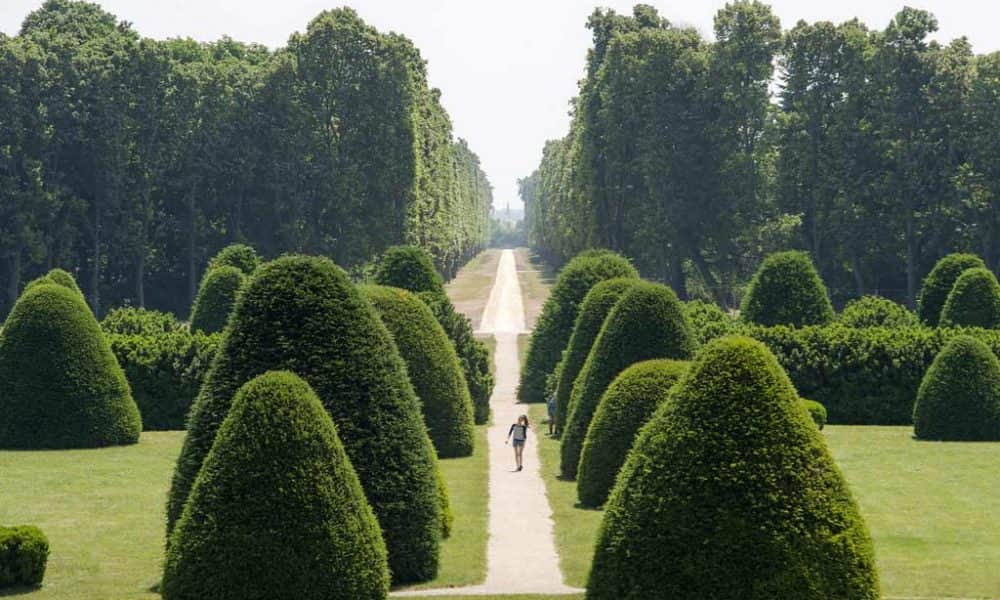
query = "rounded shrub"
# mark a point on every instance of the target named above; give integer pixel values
(277, 510)
(817, 412)
(216, 298)
(241, 256)
(875, 311)
(648, 322)
(628, 403)
(555, 324)
(62, 387)
(974, 301)
(708, 321)
(24, 553)
(787, 290)
(595, 308)
(938, 283)
(139, 321)
(433, 368)
(959, 398)
(303, 314)
(58, 277)
(729, 492)
(410, 268)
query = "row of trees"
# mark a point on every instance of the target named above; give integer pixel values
(130, 161)
(873, 150)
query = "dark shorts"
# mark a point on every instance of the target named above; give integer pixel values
(518, 443)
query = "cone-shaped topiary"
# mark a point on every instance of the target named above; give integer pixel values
(938, 283)
(555, 324)
(216, 299)
(628, 403)
(58, 277)
(276, 510)
(817, 412)
(730, 493)
(875, 311)
(432, 365)
(410, 268)
(787, 290)
(241, 256)
(595, 308)
(62, 387)
(959, 397)
(974, 301)
(648, 322)
(303, 314)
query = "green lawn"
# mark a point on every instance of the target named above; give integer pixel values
(932, 509)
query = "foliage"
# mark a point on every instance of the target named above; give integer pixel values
(63, 387)
(444, 500)
(58, 277)
(165, 371)
(875, 311)
(787, 290)
(939, 282)
(409, 268)
(127, 320)
(303, 314)
(280, 447)
(627, 404)
(555, 324)
(647, 322)
(595, 308)
(732, 443)
(959, 397)
(239, 256)
(816, 411)
(24, 552)
(216, 298)
(974, 301)
(708, 321)
(433, 368)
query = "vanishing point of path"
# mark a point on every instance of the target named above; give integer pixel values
(521, 554)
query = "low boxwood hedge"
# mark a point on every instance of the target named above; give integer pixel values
(139, 321)
(24, 552)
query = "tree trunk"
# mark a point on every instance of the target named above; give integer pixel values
(192, 267)
(678, 280)
(14, 282)
(95, 271)
(911, 260)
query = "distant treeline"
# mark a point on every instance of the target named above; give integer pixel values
(876, 151)
(130, 161)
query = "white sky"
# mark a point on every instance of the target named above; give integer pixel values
(506, 68)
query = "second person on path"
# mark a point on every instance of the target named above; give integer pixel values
(519, 432)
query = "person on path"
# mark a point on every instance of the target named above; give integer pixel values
(519, 432)
(550, 406)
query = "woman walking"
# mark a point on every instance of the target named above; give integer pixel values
(519, 432)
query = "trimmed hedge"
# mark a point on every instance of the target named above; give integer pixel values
(555, 324)
(165, 372)
(444, 500)
(974, 301)
(625, 407)
(875, 311)
(139, 321)
(24, 553)
(410, 268)
(306, 532)
(787, 290)
(216, 298)
(817, 412)
(708, 321)
(938, 283)
(58, 277)
(959, 398)
(648, 322)
(241, 256)
(730, 493)
(62, 387)
(433, 368)
(595, 308)
(304, 315)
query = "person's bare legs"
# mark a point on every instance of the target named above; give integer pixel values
(519, 455)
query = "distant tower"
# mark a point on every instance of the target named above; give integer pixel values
(508, 208)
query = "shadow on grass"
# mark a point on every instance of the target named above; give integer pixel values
(19, 591)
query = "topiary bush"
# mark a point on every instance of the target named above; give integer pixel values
(139, 321)
(730, 493)
(817, 412)
(787, 290)
(628, 403)
(216, 299)
(433, 368)
(277, 510)
(58, 277)
(165, 372)
(241, 256)
(62, 387)
(444, 500)
(410, 268)
(648, 322)
(555, 324)
(974, 301)
(303, 314)
(595, 308)
(708, 321)
(938, 283)
(959, 398)
(875, 311)
(24, 553)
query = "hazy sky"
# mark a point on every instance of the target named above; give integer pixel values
(506, 68)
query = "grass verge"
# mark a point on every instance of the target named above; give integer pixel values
(536, 279)
(470, 289)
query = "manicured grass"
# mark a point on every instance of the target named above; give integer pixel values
(536, 279)
(523, 341)
(507, 597)
(470, 289)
